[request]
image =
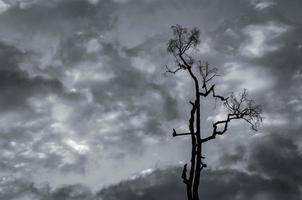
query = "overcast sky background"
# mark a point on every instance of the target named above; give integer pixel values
(84, 103)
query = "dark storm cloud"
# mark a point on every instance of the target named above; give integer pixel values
(132, 84)
(278, 156)
(70, 90)
(16, 87)
(272, 173)
(58, 17)
(278, 37)
(10, 56)
(82, 80)
(44, 28)
(132, 88)
(273, 165)
(216, 184)
(22, 126)
(12, 188)
(72, 192)
(260, 49)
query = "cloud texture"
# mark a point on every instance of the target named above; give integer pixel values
(84, 100)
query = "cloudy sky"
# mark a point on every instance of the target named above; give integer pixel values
(86, 112)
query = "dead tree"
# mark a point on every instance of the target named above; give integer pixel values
(241, 107)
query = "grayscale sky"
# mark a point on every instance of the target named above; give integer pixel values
(84, 103)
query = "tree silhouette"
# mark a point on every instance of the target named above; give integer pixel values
(181, 46)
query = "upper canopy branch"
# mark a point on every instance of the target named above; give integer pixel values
(183, 40)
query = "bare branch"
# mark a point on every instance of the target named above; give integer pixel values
(174, 134)
(207, 92)
(203, 165)
(183, 40)
(245, 108)
(184, 174)
(215, 126)
(206, 73)
(242, 108)
(168, 70)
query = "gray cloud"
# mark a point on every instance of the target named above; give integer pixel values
(273, 173)
(82, 82)
(22, 189)
(277, 156)
(67, 99)
(218, 184)
(17, 87)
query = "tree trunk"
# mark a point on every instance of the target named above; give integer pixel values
(196, 142)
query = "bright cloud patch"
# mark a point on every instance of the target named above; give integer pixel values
(143, 65)
(79, 147)
(3, 7)
(260, 39)
(260, 5)
(205, 47)
(297, 75)
(251, 78)
(274, 120)
(93, 1)
(93, 46)
(86, 72)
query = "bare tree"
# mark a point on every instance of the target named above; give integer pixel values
(241, 107)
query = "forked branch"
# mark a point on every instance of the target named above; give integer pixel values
(212, 90)
(239, 108)
(245, 108)
(207, 74)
